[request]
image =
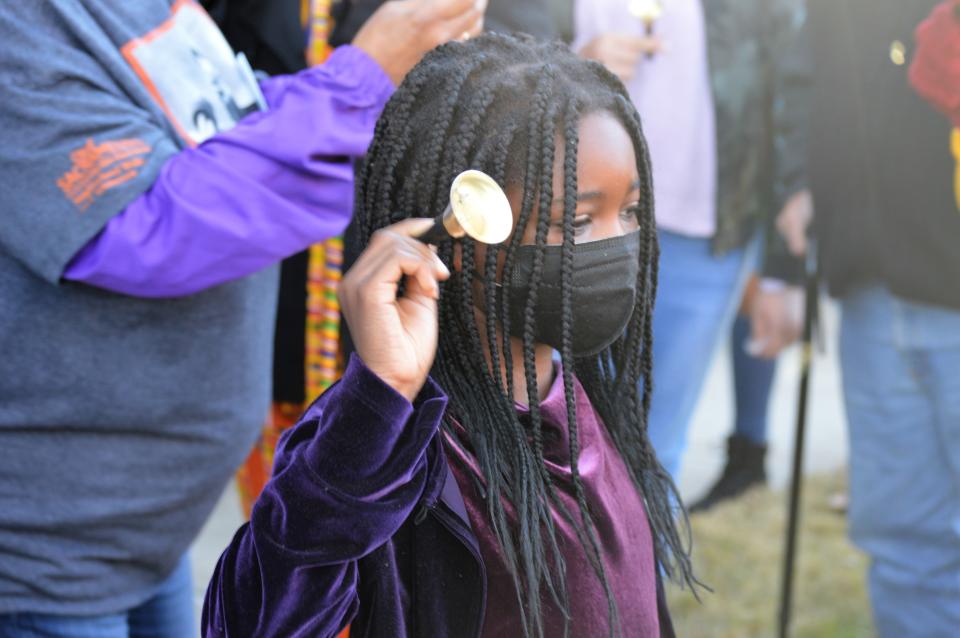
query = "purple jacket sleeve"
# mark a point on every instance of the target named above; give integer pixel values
(345, 479)
(267, 188)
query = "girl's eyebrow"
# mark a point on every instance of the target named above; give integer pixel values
(586, 196)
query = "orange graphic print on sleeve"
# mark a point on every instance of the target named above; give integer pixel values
(96, 168)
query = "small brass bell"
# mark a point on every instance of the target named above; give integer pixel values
(478, 209)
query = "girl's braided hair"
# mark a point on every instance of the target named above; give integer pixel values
(498, 103)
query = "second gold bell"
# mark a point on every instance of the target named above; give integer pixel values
(647, 11)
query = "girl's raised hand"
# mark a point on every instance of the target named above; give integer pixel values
(396, 337)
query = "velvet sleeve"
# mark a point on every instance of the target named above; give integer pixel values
(345, 479)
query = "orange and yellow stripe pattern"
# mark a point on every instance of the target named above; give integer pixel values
(322, 361)
(955, 149)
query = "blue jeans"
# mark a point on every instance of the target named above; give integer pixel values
(901, 377)
(752, 380)
(168, 613)
(697, 299)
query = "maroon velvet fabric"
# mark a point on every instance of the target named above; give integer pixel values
(617, 509)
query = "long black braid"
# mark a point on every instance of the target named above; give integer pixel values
(499, 103)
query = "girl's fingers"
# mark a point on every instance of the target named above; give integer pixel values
(408, 227)
(391, 239)
(422, 284)
(404, 257)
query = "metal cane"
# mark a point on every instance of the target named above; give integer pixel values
(812, 285)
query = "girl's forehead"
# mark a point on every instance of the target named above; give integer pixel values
(604, 144)
(606, 161)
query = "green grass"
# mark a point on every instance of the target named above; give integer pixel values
(738, 552)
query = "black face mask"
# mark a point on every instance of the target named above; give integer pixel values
(602, 300)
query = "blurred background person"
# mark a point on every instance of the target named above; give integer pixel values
(752, 381)
(285, 36)
(753, 373)
(886, 188)
(137, 292)
(720, 88)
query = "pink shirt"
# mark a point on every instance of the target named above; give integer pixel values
(673, 95)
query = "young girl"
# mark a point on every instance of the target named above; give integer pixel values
(504, 494)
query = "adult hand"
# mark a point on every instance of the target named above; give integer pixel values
(400, 32)
(396, 337)
(619, 52)
(793, 221)
(776, 319)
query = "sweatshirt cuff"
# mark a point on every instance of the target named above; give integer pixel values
(352, 68)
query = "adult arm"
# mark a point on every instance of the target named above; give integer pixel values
(301, 151)
(345, 478)
(83, 140)
(267, 188)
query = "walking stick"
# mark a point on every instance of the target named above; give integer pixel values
(812, 284)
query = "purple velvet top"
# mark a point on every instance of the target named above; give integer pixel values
(247, 197)
(363, 523)
(618, 511)
(346, 479)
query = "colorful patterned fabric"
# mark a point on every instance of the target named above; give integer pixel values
(322, 357)
(255, 472)
(955, 148)
(319, 26)
(322, 362)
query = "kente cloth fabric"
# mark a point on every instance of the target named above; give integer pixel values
(321, 358)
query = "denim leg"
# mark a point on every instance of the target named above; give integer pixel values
(46, 626)
(696, 300)
(169, 612)
(901, 388)
(752, 380)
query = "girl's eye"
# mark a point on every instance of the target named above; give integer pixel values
(580, 224)
(630, 217)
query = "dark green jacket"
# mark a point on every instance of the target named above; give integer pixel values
(759, 74)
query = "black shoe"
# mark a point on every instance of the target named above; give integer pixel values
(744, 469)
